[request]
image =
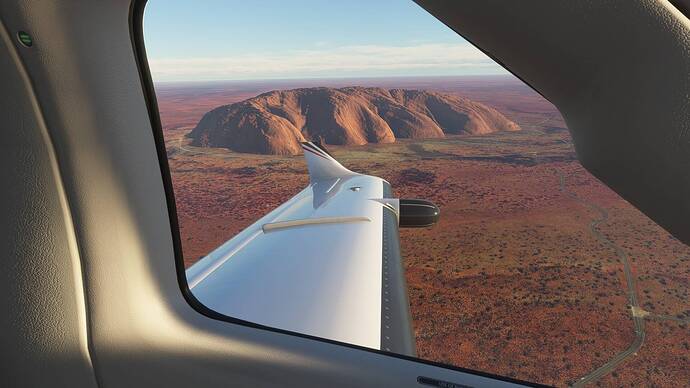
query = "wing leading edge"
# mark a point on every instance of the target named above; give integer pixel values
(325, 263)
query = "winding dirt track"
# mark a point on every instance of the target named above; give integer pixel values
(638, 321)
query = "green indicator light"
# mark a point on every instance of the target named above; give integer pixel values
(25, 38)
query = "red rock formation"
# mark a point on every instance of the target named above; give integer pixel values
(276, 122)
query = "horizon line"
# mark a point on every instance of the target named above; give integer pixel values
(189, 81)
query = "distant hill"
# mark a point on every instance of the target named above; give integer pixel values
(276, 122)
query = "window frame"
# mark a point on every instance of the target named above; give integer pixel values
(137, 10)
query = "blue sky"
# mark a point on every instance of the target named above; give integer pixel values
(239, 40)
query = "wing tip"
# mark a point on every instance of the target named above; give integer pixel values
(321, 164)
(316, 147)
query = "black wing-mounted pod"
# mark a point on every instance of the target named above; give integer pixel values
(418, 213)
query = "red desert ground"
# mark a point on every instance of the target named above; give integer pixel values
(515, 279)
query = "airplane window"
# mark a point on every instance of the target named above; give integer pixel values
(358, 172)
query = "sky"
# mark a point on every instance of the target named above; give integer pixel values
(197, 40)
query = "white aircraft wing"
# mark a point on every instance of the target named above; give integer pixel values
(325, 263)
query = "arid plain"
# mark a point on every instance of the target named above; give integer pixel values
(524, 275)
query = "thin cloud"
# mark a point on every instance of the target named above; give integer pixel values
(362, 60)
